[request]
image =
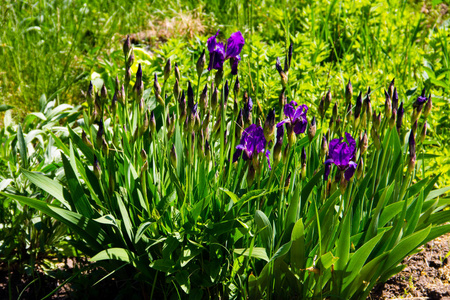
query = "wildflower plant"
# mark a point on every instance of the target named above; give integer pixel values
(169, 177)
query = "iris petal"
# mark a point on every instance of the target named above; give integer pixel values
(234, 45)
(350, 170)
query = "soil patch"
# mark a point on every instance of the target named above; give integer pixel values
(426, 276)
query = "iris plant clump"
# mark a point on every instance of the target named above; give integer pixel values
(165, 191)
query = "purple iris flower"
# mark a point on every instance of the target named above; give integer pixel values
(252, 141)
(296, 117)
(342, 155)
(218, 54)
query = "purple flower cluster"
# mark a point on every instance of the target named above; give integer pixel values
(296, 117)
(342, 155)
(218, 54)
(252, 142)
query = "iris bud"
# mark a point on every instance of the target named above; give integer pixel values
(327, 101)
(90, 94)
(343, 183)
(358, 107)
(177, 72)
(391, 88)
(423, 133)
(219, 76)
(387, 105)
(283, 76)
(173, 156)
(226, 92)
(207, 150)
(201, 63)
(360, 168)
(103, 94)
(86, 140)
(400, 116)
(414, 127)
(282, 98)
(376, 138)
(203, 101)
(139, 84)
(126, 46)
(182, 107)
(395, 100)
(157, 89)
(269, 126)
(428, 107)
(392, 119)
(324, 147)
(167, 69)
(287, 182)
(291, 134)
(145, 124)
(97, 169)
(312, 129)
(412, 152)
(237, 87)
(291, 48)
(376, 120)
(363, 143)
(127, 77)
(214, 99)
(100, 132)
(130, 59)
(303, 162)
(349, 92)
(190, 97)
(143, 155)
(176, 90)
(114, 103)
(321, 109)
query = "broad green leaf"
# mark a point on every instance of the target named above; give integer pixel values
(256, 252)
(49, 185)
(404, 247)
(283, 250)
(298, 246)
(115, 254)
(437, 193)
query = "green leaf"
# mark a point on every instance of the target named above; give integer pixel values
(437, 193)
(404, 247)
(76, 191)
(115, 254)
(298, 246)
(283, 250)
(22, 147)
(5, 107)
(358, 259)
(256, 252)
(343, 244)
(141, 230)
(265, 229)
(49, 185)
